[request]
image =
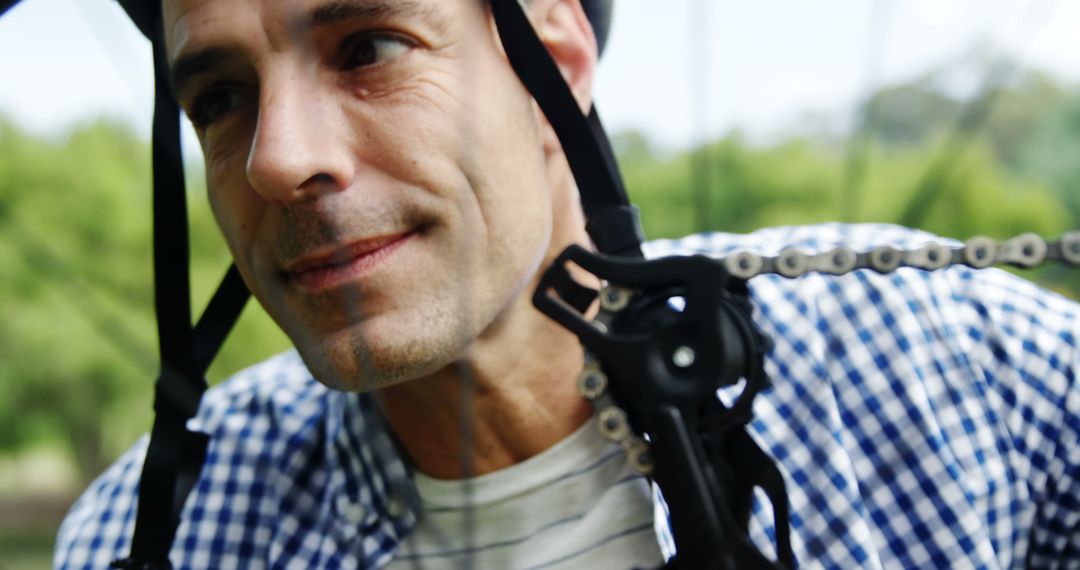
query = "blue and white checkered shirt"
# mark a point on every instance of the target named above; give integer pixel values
(921, 420)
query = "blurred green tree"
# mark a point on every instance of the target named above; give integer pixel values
(1052, 153)
(797, 182)
(77, 333)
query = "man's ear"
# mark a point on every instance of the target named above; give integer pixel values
(568, 36)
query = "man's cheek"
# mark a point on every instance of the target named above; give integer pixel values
(239, 231)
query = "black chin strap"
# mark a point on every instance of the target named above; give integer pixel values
(6, 5)
(175, 455)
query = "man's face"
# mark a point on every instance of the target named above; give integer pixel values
(375, 167)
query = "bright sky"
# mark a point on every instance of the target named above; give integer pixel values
(680, 70)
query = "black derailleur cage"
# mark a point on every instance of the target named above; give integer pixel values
(670, 334)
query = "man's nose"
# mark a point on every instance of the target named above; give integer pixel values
(298, 150)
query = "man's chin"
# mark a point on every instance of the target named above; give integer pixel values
(349, 363)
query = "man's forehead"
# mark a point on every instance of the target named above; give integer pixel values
(188, 19)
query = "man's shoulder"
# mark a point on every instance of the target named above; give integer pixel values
(268, 411)
(280, 387)
(295, 472)
(946, 392)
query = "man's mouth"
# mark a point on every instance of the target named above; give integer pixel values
(321, 271)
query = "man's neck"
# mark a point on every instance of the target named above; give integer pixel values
(514, 396)
(514, 393)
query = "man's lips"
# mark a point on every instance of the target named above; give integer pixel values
(320, 271)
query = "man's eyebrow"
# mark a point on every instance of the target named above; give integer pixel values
(337, 11)
(188, 66)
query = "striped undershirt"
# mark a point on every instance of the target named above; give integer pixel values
(577, 505)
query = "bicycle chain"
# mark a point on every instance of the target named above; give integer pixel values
(1025, 251)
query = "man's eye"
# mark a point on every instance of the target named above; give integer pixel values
(214, 105)
(364, 49)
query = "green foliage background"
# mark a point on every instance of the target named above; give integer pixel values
(77, 334)
(77, 337)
